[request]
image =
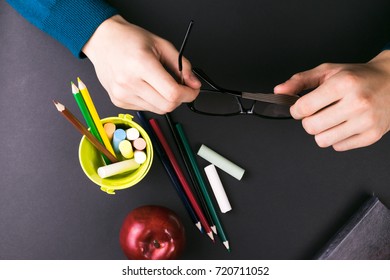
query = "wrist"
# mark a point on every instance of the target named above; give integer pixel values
(382, 61)
(101, 35)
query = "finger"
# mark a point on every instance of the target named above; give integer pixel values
(137, 104)
(162, 105)
(170, 56)
(334, 135)
(349, 128)
(132, 96)
(315, 100)
(326, 119)
(304, 80)
(189, 77)
(156, 76)
(356, 141)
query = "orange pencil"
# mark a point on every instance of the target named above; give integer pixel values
(83, 130)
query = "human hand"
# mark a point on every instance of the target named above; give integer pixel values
(129, 62)
(349, 106)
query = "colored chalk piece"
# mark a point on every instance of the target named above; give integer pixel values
(117, 168)
(132, 133)
(109, 128)
(218, 189)
(126, 149)
(119, 136)
(221, 162)
(139, 144)
(139, 156)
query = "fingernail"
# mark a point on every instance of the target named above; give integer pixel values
(194, 79)
(278, 87)
(293, 113)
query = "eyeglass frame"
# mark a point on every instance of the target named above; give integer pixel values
(279, 99)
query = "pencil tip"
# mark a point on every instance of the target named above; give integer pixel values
(226, 243)
(199, 226)
(214, 229)
(74, 88)
(58, 105)
(80, 83)
(210, 234)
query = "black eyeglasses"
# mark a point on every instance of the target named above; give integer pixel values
(219, 101)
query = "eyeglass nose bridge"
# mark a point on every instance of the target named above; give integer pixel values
(245, 110)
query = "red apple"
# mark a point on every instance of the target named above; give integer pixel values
(152, 232)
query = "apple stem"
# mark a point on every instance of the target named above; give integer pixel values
(156, 244)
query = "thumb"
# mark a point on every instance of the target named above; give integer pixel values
(301, 81)
(170, 57)
(189, 77)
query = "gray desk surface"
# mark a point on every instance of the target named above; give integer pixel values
(294, 195)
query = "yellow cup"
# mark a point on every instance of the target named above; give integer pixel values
(91, 159)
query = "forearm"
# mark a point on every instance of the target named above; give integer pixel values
(71, 22)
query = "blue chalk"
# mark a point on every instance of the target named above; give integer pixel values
(119, 135)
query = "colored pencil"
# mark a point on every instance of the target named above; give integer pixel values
(83, 130)
(95, 117)
(169, 169)
(202, 184)
(176, 137)
(190, 172)
(180, 175)
(87, 116)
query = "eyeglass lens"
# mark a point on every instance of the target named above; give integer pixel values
(217, 103)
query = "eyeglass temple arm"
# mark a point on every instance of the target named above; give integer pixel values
(280, 99)
(180, 59)
(203, 76)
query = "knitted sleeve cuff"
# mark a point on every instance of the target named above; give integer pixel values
(73, 22)
(387, 46)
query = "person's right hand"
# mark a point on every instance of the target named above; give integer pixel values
(129, 62)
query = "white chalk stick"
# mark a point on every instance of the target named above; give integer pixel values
(139, 156)
(117, 168)
(218, 189)
(132, 133)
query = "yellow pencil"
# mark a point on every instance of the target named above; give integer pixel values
(95, 117)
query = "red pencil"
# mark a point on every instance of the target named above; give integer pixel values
(182, 178)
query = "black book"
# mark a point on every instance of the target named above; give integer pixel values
(366, 236)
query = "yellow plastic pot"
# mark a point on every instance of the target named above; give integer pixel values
(90, 159)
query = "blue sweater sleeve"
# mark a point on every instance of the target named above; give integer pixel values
(72, 22)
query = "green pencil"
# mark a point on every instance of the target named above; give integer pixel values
(88, 119)
(202, 184)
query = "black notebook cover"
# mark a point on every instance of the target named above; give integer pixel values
(366, 236)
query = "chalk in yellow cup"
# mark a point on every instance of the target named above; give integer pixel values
(90, 159)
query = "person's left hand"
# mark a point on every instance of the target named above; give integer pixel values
(349, 106)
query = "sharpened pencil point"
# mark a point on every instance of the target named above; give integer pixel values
(226, 243)
(210, 234)
(80, 84)
(199, 226)
(214, 229)
(59, 106)
(75, 89)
